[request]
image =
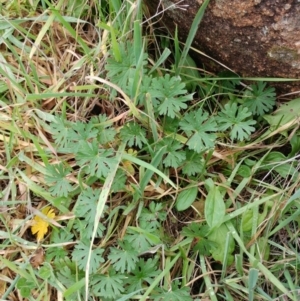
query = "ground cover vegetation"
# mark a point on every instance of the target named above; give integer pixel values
(127, 173)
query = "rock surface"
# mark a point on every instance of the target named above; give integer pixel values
(252, 37)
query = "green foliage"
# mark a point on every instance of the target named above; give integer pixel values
(122, 72)
(236, 118)
(262, 249)
(120, 181)
(79, 256)
(186, 198)
(100, 125)
(214, 206)
(69, 136)
(194, 164)
(169, 95)
(138, 239)
(86, 203)
(219, 237)
(98, 162)
(85, 212)
(145, 271)
(67, 274)
(247, 220)
(133, 134)
(125, 258)
(259, 99)
(57, 253)
(25, 286)
(175, 294)
(81, 132)
(60, 130)
(109, 286)
(153, 216)
(174, 153)
(199, 232)
(281, 165)
(198, 189)
(56, 178)
(286, 113)
(199, 129)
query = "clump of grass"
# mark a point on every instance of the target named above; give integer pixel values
(143, 176)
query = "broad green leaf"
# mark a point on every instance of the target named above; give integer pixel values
(214, 208)
(247, 220)
(287, 112)
(199, 232)
(186, 198)
(219, 236)
(279, 162)
(244, 171)
(45, 272)
(295, 144)
(151, 238)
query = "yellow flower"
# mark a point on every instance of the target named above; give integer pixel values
(40, 226)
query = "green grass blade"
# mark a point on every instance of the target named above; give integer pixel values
(99, 211)
(74, 288)
(151, 117)
(192, 33)
(55, 13)
(253, 276)
(256, 264)
(148, 166)
(176, 48)
(209, 286)
(166, 270)
(45, 28)
(166, 53)
(137, 40)
(149, 173)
